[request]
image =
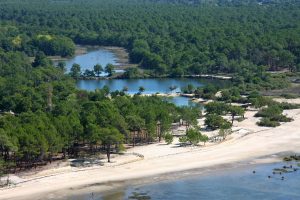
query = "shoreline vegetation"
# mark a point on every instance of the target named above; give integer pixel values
(244, 145)
(221, 107)
(122, 59)
(119, 76)
(55, 136)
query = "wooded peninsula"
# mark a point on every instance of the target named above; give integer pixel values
(45, 117)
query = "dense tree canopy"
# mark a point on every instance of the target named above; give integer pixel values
(175, 39)
(43, 115)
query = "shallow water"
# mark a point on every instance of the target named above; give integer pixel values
(151, 85)
(182, 101)
(238, 183)
(91, 58)
(227, 185)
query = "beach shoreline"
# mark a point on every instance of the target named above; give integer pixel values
(249, 144)
(110, 187)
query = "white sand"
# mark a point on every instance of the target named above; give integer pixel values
(248, 143)
(292, 101)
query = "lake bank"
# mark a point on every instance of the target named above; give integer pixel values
(238, 182)
(111, 190)
(247, 144)
(120, 52)
(87, 56)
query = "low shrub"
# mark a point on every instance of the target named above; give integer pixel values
(281, 118)
(269, 112)
(168, 138)
(289, 96)
(268, 122)
(288, 106)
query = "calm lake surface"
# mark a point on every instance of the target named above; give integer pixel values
(228, 184)
(152, 86)
(91, 58)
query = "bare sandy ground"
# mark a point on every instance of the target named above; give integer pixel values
(292, 101)
(248, 143)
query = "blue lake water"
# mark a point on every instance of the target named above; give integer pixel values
(91, 58)
(152, 86)
(223, 185)
(237, 183)
(181, 101)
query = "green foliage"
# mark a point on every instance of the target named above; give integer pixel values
(218, 108)
(135, 123)
(141, 89)
(270, 111)
(204, 138)
(281, 118)
(109, 137)
(271, 116)
(131, 72)
(190, 114)
(288, 106)
(207, 92)
(40, 60)
(214, 121)
(268, 122)
(75, 70)
(208, 46)
(236, 111)
(224, 132)
(189, 89)
(183, 139)
(289, 96)
(193, 136)
(231, 95)
(109, 69)
(2, 168)
(168, 138)
(98, 69)
(33, 133)
(260, 101)
(53, 117)
(54, 45)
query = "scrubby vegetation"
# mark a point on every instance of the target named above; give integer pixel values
(165, 39)
(271, 116)
(193, 136)
(168, 138)
(45, 117)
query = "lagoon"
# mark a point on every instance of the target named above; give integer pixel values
(237, 184)
(234, 182)
(105, 56)
(91, 57)
(152, 86)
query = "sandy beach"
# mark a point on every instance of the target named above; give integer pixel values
(248, 144)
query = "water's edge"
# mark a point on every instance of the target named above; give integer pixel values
(109, 188)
